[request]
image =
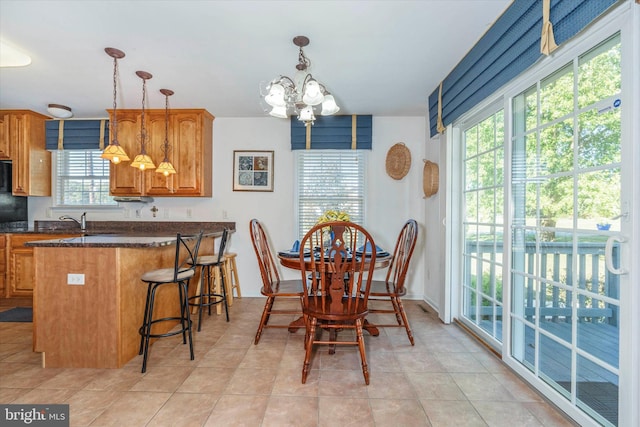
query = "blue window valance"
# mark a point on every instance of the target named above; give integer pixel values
(508, 48)
(77, 134)
(333, 133)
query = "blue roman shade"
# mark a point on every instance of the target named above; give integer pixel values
(77, 134)
(333, 133)
(507, 49)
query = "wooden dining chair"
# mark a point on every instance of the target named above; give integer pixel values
(336, 287)
(272, 286)
(393, 287)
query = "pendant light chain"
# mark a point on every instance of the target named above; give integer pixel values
(114, 124)
(143, 129)
(166, 127)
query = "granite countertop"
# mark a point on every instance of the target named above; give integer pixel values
(118, 234)
(138, 228)
(108, 241)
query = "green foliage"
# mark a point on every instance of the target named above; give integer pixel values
(562, 122)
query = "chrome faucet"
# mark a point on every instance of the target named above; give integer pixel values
(82, 223)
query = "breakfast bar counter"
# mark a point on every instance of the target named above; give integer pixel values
(89, 300)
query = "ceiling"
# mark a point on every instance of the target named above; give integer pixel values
(376, 57)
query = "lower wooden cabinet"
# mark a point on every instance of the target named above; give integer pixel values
(18, 278)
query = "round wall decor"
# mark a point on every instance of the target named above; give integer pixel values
(430, 178)
(398, 161)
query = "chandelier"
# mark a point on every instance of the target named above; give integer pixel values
(142, 161)
(114, 152)
(302, 95)
(166, 168)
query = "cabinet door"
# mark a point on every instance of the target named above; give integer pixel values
(20, 272)
(5, 142)
(125, 180)
(31, 162)
(190, 137)
(157, 184)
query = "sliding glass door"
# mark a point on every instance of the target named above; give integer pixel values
(567, 211)
(544, 274)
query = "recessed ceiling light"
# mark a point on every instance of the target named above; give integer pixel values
(60, 111)
(12, 57)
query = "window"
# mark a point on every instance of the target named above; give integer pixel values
(329, 179)
(82, 179)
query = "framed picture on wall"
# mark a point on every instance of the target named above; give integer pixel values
(252, 170)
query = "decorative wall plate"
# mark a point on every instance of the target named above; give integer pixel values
(398, 161)
(430, 178)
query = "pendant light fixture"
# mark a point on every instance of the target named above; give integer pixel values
(142, 161)
(114, 152)
(302, 95)
(166, 168)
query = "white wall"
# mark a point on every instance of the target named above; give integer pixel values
(390, 203)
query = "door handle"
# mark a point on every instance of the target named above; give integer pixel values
(608, 255)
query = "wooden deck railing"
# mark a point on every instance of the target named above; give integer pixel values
(556, 264)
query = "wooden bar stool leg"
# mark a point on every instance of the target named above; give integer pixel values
(217, 288)
(228, 281)
(234, 281)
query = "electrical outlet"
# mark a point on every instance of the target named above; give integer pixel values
(138, 214)
(225, 215)
(127, 213)
(188, 213)
(75, 279)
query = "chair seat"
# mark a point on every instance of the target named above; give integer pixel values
(165, 275)
(381, 288)
(316, 308)
(285, 288)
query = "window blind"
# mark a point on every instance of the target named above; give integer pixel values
(329, 180)
(82, 179)
(77, 134)
(507, 49)
(333, 132)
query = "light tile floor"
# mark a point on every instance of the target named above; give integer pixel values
(446, 379)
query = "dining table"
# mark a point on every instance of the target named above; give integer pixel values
(291, 259)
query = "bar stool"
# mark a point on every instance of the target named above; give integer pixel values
(212, 289)
(179, 275)
(231, 269)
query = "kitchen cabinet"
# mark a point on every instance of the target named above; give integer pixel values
(190, 134)
(22, 140)
(5, 146)
(19, 266)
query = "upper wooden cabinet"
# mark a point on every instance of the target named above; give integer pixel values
(22, 140)
(190, 134)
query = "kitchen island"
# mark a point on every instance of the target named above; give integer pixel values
(89, 299)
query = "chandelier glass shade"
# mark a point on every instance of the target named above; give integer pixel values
(165, 167)
(303, 95)
(142, 161)
(114, 152)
